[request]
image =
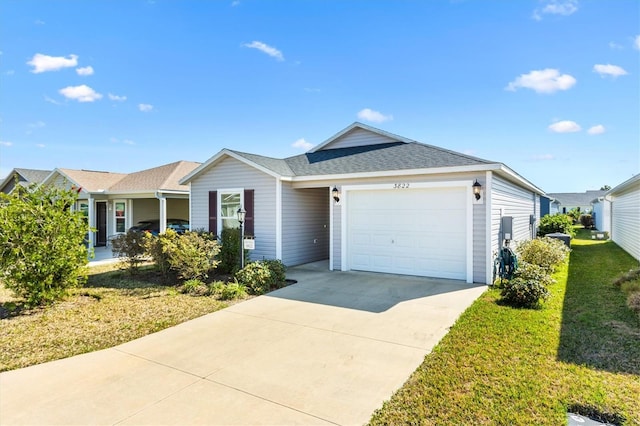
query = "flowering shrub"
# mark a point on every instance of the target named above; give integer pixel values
(524, 293)
(548, 253)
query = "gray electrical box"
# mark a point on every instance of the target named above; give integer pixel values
(506, 226)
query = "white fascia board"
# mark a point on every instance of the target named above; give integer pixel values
(224, 153)
(510, 174)
(364, 127)
(623, 186)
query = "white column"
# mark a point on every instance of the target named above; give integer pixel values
(91, 213)
(163, 213)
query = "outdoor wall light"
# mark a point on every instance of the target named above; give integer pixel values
(477, 189)
(336, 194)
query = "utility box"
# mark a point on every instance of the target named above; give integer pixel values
(506, 227)
(566, 239)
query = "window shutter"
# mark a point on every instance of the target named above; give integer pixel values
(248, 206)
(213, 212)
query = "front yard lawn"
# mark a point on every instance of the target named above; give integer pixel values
(113, 308)
(500, 365)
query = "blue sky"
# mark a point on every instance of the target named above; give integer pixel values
(550, 88)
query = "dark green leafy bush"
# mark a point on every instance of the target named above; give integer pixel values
(548, 253)
(42, 243)
(229, 256)
(159, 248)
(587, 221)
(524, 293)
(261, 276)
(228, 291)
(556, 223)
(130, 247)
(530, 272)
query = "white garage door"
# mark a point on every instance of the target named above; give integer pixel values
(409, 231)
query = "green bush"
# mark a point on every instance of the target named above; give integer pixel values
(524, 293)
(530, 272)
(192, 255)
(159, 248)
(194, 287)
(42, 243)
(574, 214)
(556, 223)
(229, 256)
(548, 253)
(261, 276)
(130, 247)
(228, 291)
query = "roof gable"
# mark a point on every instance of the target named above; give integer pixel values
(165, 177)
(88, 180)
(570, 199)
(358, 134)
(25, 178)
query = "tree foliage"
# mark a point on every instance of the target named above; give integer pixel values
(42, 243)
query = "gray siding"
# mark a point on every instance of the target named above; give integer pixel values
(479, 242)
(359, 137)
(305, 225)
(625, 220)
(230, 173)
(509, 199)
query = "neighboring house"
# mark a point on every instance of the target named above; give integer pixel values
(113, 202)
(564, 202)
(402, 207)
(25, 178)
(618, 212)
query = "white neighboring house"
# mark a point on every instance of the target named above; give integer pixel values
(400, 206)
(622, 206)
(113, 202)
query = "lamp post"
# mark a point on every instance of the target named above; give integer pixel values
(241, 214)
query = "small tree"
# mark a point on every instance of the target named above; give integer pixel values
(193, 255)
(42, 243)
(130, 247)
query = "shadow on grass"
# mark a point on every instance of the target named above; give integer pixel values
(598, 330)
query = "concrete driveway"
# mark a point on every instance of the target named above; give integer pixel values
(328, 350)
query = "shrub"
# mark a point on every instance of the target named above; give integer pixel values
(130, 247)
(42, 243)
(530, 272)
(278, 271)
(587, 221)
(228, 291)
(192, 255)
(545, 252)
(633, 301)
(524, 293)
(194, 287)
(257, 277)
(229, 256)
(574, 214)
(159, 248)
(556, 223)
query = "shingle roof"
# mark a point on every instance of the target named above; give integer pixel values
(164, 177)
(576, 198)
(91, 180)
(33, 175)
(367, 158)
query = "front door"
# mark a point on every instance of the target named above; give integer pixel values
(101, 224)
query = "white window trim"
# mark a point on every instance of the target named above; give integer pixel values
(219, 203)
(126, 216)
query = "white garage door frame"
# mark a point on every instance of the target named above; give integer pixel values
(466, 184)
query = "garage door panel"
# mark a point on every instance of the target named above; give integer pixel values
(414, 232)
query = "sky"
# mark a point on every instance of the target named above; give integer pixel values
(550, 88)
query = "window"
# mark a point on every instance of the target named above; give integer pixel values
(84, 209)
(229, 205)
(121, 216)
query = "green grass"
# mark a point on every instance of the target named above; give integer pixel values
(500, 365)
(113, 308)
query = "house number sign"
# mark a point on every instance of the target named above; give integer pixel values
(400, 185)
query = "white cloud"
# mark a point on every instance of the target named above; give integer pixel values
(556, 7)
(39, 22)
(40, 145)
(82, 93)
(636, 42)
(616, 46)
(44, 63)
(117, 98)
(128, 142)
(302, 144)
(269, 50)
(373, 116)
(312, 90)
(543, 157)
(85, 70)
(596, 130)
(145, 107)
(6, 143)
(51, 101)
(612, 70)
(548, 80)
(565, 126)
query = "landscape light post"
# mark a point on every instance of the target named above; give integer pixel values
(241, 214)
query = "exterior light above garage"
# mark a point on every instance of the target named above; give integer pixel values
(336, 194)
(477, 189)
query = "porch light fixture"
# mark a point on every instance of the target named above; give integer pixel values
(241, 215)
(336, 194)
(477, 189)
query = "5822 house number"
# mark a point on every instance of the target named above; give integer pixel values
(400, 185)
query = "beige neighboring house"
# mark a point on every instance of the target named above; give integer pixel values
(25, 177)
(113, 202)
